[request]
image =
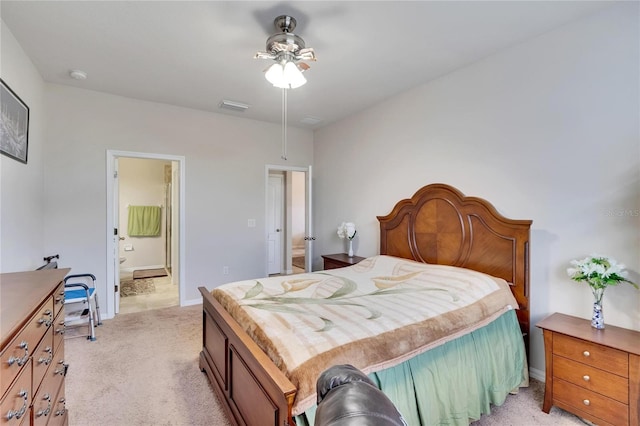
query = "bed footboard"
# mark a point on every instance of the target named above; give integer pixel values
(251, 387)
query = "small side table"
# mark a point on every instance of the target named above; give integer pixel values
(340, 260)
(594, 374)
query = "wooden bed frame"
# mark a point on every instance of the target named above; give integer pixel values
(437, 225)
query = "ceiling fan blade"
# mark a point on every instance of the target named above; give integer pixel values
(303, 67)
(264, 55)
(306, 54)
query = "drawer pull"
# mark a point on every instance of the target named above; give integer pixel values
(46, 361)
(586, 402)
(586, 378)
(46, 321)
(20, 361)
(64, 408)
(63, 368)
(19, 413)
(586, 353)
(47, 410)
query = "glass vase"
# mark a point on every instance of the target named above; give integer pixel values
(597, 319)
(350, 248)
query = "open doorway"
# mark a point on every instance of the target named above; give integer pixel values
(145, 209)
(288, 220)
(151, 264)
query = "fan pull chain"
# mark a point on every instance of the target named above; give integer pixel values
(284, 124)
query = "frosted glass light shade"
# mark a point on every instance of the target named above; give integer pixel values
(287, 77)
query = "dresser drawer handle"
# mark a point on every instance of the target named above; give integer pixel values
(47, 410)
(63, 409)
(586, 402)
(586, 378)
(586, 353)
(46, 361)
(63, 368)
(20, 361)
(46, 321)
(18, 414)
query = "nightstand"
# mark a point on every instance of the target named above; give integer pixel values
(340, 260)
(594, 374)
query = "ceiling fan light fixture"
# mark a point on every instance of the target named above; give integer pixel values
(293, 75)
(287, 50)
(287, 76)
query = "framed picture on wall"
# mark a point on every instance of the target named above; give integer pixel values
(14, 124)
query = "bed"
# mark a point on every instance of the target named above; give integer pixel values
(437, 226)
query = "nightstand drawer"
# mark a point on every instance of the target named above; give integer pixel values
(340, 260)
(591, 378)
(590, 402)
(602, 357)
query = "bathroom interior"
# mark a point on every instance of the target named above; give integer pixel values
(147, 247)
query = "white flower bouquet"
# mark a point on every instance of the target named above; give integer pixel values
(347, 230)
(598, 271)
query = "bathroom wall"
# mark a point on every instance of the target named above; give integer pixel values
(141, 184)
(297, 209)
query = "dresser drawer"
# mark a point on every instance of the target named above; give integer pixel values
(14, 406)
(590, 402)
(58, 328)
(58, 300)
(42, 358)
(44, 400)
(21, 347)
(58, 416)
(591, 378)
(602, 357)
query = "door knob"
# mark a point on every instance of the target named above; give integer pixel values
(277, 230)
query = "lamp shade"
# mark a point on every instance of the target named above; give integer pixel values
(288, 76)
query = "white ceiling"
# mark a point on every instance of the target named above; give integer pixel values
(197, 53)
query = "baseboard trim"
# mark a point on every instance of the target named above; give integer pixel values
(537, 374)
(191, 302)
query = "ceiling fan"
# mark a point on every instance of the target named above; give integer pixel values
(287, 50)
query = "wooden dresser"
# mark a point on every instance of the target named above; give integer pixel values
(340, 260)
(594, 374)
(32, 352)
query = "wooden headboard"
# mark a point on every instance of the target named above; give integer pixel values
(440, 225)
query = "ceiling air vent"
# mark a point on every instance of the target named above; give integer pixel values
(233, 105)
(310, 120)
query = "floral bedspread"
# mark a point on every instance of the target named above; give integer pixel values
(373, 315)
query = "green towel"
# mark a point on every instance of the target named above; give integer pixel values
(144, 221)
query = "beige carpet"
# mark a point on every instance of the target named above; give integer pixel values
(143, 370)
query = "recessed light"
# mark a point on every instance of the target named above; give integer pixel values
(78, 75)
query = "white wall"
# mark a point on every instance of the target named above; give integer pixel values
(21, 185)
(141, 183)
(547, 130)
(225, 161)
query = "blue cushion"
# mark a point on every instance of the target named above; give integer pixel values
(79, 294)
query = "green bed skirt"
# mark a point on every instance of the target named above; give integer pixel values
(456, 382)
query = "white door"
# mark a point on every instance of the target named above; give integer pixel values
(309, 238)
(116, 235)
(274, 224)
